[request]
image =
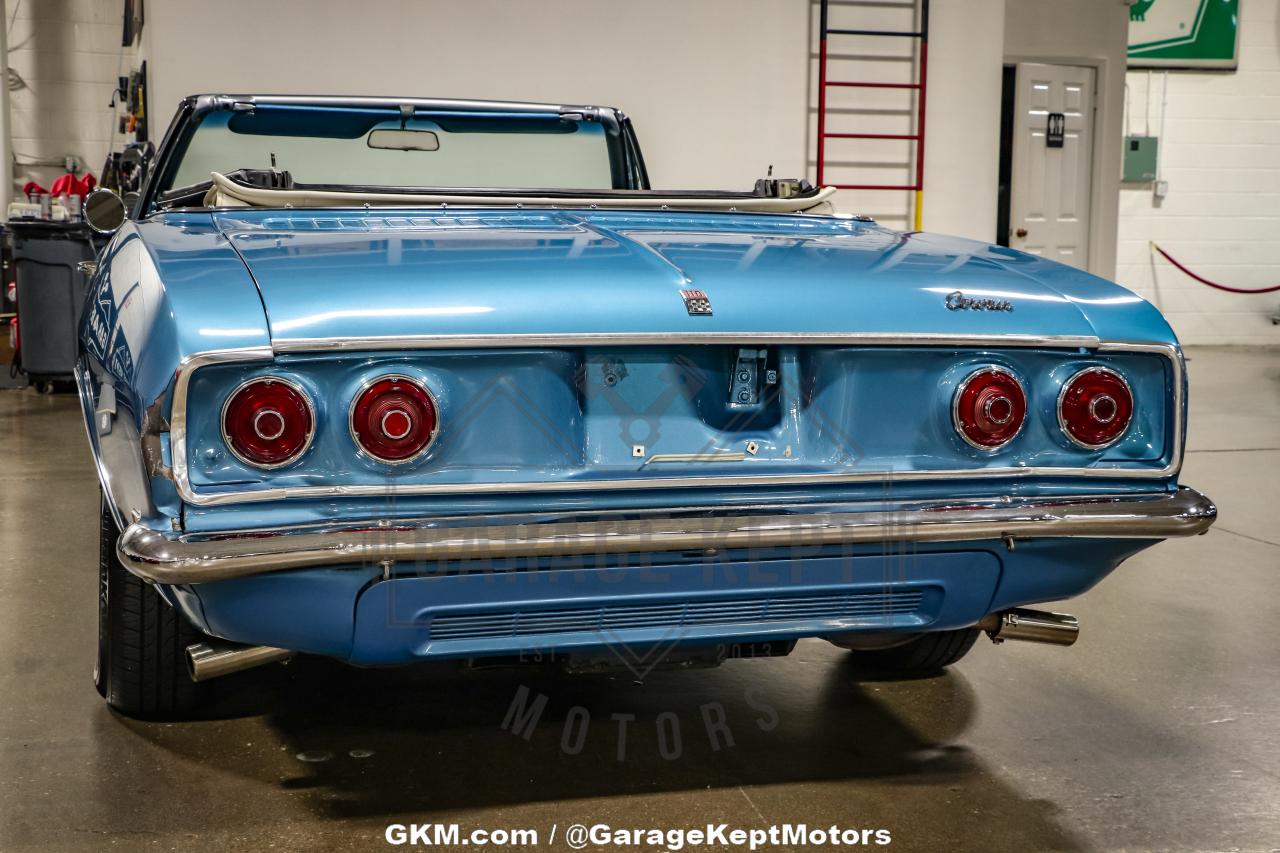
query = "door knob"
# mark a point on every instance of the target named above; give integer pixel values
(1021, 232)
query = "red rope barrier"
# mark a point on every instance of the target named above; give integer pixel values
(1212, 284)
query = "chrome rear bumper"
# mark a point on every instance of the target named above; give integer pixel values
(195, 558)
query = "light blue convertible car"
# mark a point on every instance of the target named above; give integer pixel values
(394, 380)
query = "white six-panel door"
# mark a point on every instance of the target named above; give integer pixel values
(1049, 202)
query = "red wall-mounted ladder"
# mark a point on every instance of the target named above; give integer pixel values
(919, 87)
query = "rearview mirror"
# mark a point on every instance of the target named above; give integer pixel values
(104, 211)
(404, 140)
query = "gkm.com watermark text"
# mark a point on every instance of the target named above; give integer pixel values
(579, 836)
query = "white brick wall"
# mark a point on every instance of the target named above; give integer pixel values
(1221, 157)
(68, 53)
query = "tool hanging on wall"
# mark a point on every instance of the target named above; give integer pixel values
(132, 92)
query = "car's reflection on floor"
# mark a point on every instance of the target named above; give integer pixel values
(426, 742)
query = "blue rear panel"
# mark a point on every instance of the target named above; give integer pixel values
(410, 618)
(473, 609)
(578, 415)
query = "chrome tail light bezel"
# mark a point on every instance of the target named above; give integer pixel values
(296, 455)
(1062, 397)
(419, 384)
(958, 424)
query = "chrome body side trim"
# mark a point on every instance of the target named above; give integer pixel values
(178, 417)
(174, 559)
(117, 455)
(182, 479)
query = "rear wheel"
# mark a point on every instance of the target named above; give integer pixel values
(142, 641)
(920, 655)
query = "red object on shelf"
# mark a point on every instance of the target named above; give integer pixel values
(33, 191)
(69, 184)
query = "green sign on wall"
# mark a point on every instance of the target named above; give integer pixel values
(1184, 34)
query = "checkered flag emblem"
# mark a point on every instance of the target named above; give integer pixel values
(696, 301)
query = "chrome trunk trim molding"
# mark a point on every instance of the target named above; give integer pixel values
(628, 339)
(195, 558)
(189, 365)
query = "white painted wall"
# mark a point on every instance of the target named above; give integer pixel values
(716, 88)
(966, 47)
(1084, 32)
(962, 157)
(68, 55)
(1221, 218)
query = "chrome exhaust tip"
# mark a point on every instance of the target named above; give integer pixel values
(1033, 626)
(216, 658)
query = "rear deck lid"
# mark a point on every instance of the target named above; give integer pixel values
(329, 275)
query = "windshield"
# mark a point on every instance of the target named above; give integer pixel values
(380, 147)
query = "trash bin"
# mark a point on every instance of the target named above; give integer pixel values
(51, 293)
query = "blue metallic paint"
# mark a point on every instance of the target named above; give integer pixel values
(326, 273)
(352, 614)
(309, 610)
(175, 285)
(394, 618)
(515, 416)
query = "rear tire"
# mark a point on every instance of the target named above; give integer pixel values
(927, 653)
(142, 641)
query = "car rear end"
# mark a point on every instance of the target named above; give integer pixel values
(383, 504)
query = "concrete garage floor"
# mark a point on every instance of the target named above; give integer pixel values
(1158, 730)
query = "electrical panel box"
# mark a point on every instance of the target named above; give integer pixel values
(1140, 159)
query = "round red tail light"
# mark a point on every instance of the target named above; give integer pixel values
(394, 419)
(268, 422)
(989, 408)
(1095, 407)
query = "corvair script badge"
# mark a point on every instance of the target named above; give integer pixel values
(957, 301)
